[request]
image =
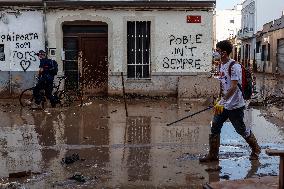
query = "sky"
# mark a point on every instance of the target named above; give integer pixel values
(226, 4)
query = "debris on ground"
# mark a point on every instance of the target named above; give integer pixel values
(70, 159)
(87, 104)
(256, 102)
(11, 185)
(78, 177)
(20, 174)
(269, 100)
(274, 100)
(226, 177)
(213, 169)
(105, 117)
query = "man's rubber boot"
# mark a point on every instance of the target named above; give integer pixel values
(255, 149)
(214, 144)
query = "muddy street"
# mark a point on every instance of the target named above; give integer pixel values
(97, 146)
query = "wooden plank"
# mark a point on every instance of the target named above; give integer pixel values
(281, 173)
(272, 152)
(280, 153)
(266, 182)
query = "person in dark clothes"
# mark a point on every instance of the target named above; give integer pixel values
(47, 70)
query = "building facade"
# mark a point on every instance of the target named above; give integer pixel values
(256, 13)
(158, 46)
(228, 23)
(245, 34)
(270, 47)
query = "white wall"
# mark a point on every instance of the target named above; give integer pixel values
(249, 16)
(176, 46)
(177, 41)
(225, 29)
(22, 35)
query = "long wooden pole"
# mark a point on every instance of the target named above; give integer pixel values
(123, 89)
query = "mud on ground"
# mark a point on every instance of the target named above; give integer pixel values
(97, 146)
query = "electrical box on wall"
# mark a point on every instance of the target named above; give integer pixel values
(193, 19)
(51, 52)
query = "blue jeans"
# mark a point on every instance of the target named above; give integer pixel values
(236, 117)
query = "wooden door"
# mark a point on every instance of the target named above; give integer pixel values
(94, 68)
(85, 64)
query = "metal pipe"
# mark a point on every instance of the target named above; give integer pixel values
(123, 90)
(208, 108)
(45, 27)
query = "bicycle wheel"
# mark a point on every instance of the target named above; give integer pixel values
(26, 97)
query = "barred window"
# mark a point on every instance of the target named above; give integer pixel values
(138, 49)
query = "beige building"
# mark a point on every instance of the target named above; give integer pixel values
(270, 47)
(253, 19)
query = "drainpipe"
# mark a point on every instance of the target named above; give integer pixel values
(45, 27)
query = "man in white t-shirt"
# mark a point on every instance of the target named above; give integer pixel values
(231, 106)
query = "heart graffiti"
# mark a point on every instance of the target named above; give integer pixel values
(25, 64)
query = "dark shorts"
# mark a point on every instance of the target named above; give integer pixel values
(236, 117)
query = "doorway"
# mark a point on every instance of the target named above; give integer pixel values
(86, 50)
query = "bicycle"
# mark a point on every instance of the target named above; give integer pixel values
(26, 98)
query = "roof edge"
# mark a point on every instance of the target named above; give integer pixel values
(112, 4)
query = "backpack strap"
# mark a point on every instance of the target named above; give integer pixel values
(221, 88)
(230, 73)
(230, 67)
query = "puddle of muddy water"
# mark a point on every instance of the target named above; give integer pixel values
(116, 151)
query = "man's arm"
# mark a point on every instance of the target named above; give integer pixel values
(231, 91)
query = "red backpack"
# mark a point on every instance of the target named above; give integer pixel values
(247, 81)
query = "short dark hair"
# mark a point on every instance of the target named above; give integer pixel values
(225, 45)
(41, 52)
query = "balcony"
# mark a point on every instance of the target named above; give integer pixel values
(245, 33)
